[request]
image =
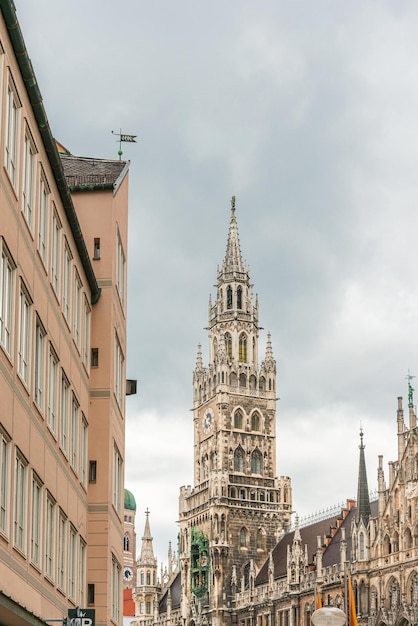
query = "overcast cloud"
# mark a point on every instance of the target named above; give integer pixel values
(307, 112)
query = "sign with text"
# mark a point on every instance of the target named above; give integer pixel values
(81, 617)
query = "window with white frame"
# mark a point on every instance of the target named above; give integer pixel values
(12, 132)
(50, 534)
(120, 270)
(86, 333)
(65, 403)
(7, 274)
(77, 308)
(25, 309)
(62, 550)
(36, 521)
(66, 287)
(4, 482)
(28, 186)
(74, 433)
(119, 372)
(117, 478)
(53, 371)
(83, 450)
(56, 250)
(43, 218)
(116, 590)
(82, 573)
(20, 499)
(72, 563)
(39, 365)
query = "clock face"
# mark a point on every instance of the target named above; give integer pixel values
(207, 421)
(127, 574)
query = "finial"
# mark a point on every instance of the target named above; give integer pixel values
(123, 137)
(411, 390)
(147, 512)
(361, 437)
(233, 204)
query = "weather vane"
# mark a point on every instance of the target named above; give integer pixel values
(123, 137)
(410, 390)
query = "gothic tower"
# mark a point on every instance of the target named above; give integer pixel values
(238, 509)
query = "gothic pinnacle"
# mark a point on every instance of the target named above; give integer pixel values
(233, 260)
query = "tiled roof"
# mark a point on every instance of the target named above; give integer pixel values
(128, 603)
(90, 172)
(175, 591)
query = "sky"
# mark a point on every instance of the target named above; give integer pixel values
(307, 113)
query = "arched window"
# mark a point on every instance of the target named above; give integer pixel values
(262, 383)
(247, 576)
(259, 539)
(255, 421)
(238, 419)
(243, 538)
(242, 348)
(228, 346)
(126, 543)
(242, 380)
(229, 298)
(148, 578)
(361, 546)
(215, 348)
(239, 460)
(256, 462)
(239, 298)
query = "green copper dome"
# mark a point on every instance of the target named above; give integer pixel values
(130, 503)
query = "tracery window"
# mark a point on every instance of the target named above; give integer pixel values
(238, 419)
(256, 462)
(229, 298)
(228, 345)
(255, 421)
(239, 298)
(243, 538)
(242, 348)
(239, 460)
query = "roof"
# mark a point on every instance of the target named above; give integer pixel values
(85, 173)
(130, 502)
(128, 603)
(175, 592)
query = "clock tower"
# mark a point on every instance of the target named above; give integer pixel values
(238, 509)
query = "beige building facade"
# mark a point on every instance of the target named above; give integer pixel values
(63, 239)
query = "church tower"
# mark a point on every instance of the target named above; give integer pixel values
(238, 509)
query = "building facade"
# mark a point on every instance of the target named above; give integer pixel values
(238, 560)
(63, 239)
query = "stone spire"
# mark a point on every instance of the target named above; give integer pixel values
(199, 360)
(233, 260)
(147, 551)
(363, 501)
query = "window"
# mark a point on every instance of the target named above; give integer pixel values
(83, 451)
(239, 460)
(243, 538)
(90, 594)
(229, 298)
(96, 254)
(92, 471)
(43, 218)
(62, 547)
(7, 269)
(95, 357)
(120, 271)
(117, 478)
(74, 433)
(50, 537)
(56, 251)
(119, 372)
(36, 521)
(77, 309)
(256, 462)
(82, 573)
(39, 374)
(242, 348)
(4, 482)
(66, 288)
(29, 159)
(52, 391)
(25, 306)
(20, 500)
(12, 129)
(116, 590)
(86, 333)
(65, 398)
(72, 563)
(239, 298)
(228, 346)
(238, 420)
(255, 421)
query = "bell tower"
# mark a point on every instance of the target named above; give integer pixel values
(238, 509)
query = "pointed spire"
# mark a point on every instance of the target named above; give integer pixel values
(233, 260)
(269, 349)
(147, 550)
(363, 501)
(199, 360)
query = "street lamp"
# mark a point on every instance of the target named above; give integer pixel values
(328, 616)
